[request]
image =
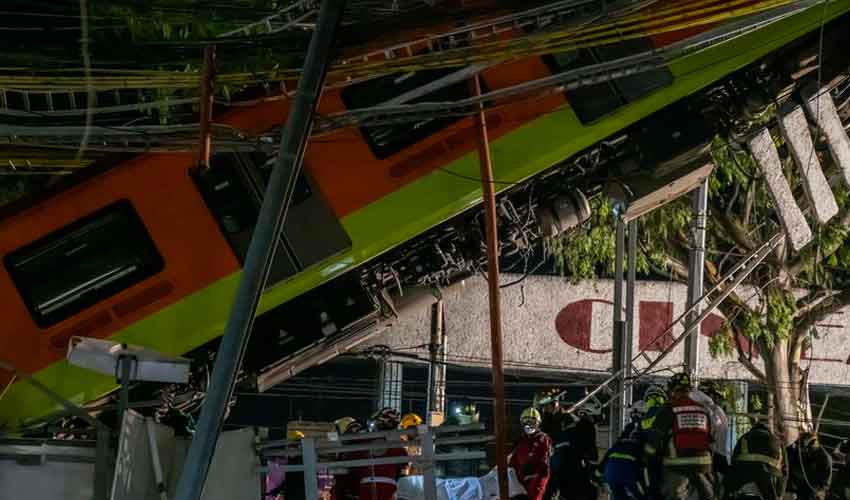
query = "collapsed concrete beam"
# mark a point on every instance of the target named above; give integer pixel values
(819, 104)
(795, 129)
(790, 215)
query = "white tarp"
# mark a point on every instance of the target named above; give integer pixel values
(463, 488)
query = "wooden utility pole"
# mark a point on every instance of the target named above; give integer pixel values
(489, 198)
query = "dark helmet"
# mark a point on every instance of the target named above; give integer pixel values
(547, 398)
(385, 419)
(680, 381)
(713, 389)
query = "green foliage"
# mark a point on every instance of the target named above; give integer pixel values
(721, 343)
(583, 252)
(781, 308)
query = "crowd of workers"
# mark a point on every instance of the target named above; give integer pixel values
(674, 448)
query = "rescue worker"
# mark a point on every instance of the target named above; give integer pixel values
(622, 464)
(346, 483)
(548, 404)
(555, 423)
(530, 457)
(758, 459)
(292, 486)
(579, 456)
(654, 398)
(379, 482)
(810, 468)
(464, 412)
(409, 421)
(681, 436)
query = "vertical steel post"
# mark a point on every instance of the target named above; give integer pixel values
(261, 251)
(489, 199)
(437, 369)
(103, 463)
(429, 478)
(696, 267)
(618, 337)
(311, 476)
(629, 331)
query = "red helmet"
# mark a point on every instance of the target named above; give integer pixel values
(385, 419)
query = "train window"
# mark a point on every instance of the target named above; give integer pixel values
(84, 263)
(386, 140)
(593, 102)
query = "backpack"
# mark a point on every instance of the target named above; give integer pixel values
(691, 428)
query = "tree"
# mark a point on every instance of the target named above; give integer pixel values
(793, 290)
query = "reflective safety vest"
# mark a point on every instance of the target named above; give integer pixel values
(691, 428)
(759, 446)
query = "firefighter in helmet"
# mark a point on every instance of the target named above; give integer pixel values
(681, 437)
(758, 458)
(530, 457)
(556, 424)
(654, 399)
(379, 482)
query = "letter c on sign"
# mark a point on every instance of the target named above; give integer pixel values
(574, 324)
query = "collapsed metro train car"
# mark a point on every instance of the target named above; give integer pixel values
(149, 251)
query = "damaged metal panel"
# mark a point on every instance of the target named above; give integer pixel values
(795, 129)
(790, 215)
(820, 105)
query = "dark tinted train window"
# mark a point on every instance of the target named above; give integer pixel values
(386, 140)
(593, 102)
(84, 263)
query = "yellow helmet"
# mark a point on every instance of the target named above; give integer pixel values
(294, 435)
(410, 420)
(530, 413)
(341, 424)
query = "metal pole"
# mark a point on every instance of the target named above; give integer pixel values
(260, 251)
(618, 337)
(489, 198)
(309, 459)
(629, 332)
(436, 370)
(696, 267)
(206, 102)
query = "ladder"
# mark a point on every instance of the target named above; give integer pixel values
(794, 128)
(724, 287)
(288, 17)
(19, 103)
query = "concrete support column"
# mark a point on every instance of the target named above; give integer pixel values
(390, 384)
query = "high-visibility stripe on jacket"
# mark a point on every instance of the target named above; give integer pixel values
(674, 460)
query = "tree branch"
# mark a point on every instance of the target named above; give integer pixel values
(746, 360)
(811, 255)
(821, 311)
(812, 300)
(736, 230)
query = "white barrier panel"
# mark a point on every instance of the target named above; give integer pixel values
(552, 325)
